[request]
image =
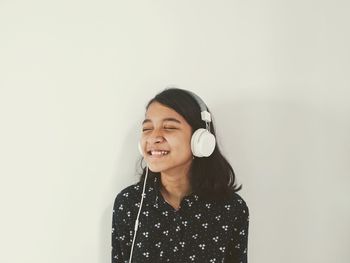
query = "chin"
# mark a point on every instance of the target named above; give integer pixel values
(157, 169)
(165, 166)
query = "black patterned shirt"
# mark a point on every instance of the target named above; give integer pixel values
(199, 231)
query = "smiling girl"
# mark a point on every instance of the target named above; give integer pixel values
(185, 207)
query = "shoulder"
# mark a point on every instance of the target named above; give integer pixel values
(126, 204)
(238, 203)
(238, 200)
(128, 195)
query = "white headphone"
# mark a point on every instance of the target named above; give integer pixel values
(202, 141)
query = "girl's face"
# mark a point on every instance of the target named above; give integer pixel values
(166, 140)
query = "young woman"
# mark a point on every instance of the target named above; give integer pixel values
(185, 207)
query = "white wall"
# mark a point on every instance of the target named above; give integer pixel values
(76, 76)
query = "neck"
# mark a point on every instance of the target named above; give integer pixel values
(174, 188)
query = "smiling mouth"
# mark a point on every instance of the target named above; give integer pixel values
(158, 153)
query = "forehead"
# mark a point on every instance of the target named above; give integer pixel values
(157, 112)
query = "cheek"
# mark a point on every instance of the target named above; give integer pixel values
(182, 144)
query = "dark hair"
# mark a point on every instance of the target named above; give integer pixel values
(211, 178)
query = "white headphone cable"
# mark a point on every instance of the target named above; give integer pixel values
(138, 214)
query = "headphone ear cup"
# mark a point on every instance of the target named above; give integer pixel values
(202, 143)
(140, 148)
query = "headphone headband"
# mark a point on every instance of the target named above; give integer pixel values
(205, 115)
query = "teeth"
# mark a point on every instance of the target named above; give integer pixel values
(159, 152)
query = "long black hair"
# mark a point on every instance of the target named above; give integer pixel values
(211, 178)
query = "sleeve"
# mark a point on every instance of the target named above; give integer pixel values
(238, 250)
(120, 232)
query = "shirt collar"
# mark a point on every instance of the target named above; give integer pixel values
(157, 201)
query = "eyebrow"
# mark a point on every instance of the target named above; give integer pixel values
(165, 119)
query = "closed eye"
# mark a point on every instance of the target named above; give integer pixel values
(166, 128)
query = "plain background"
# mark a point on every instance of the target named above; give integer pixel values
(75, 77)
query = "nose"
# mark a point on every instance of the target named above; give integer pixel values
(157, 140)
(155, 137)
